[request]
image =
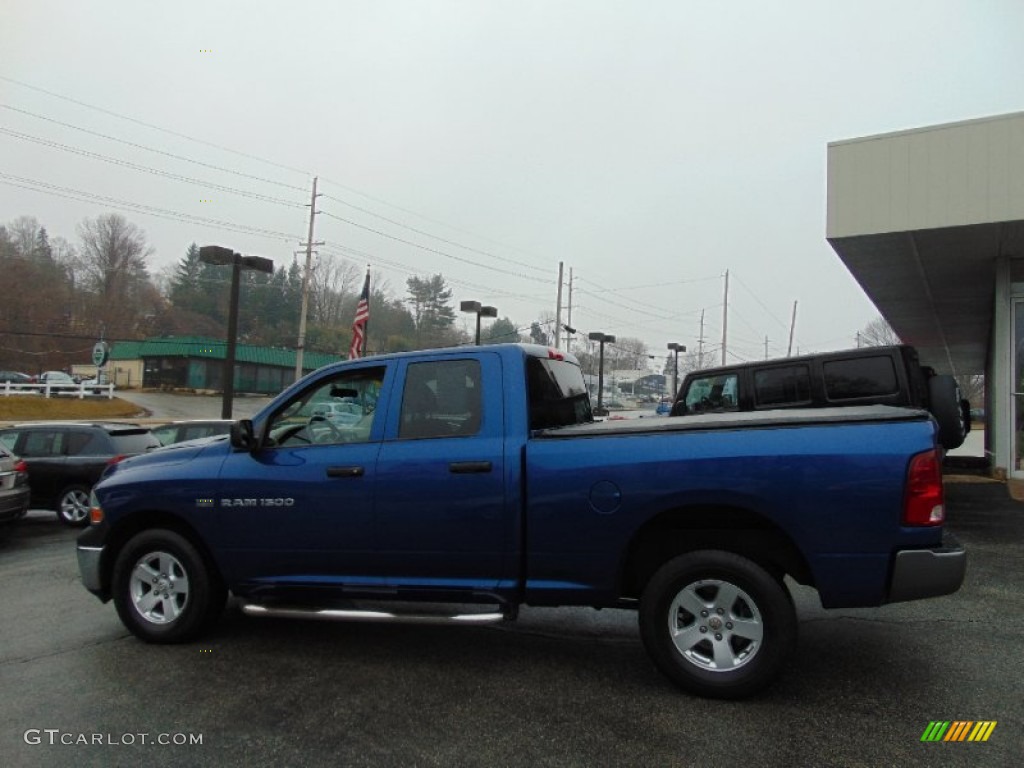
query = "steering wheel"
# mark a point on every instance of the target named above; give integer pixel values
(334, 435)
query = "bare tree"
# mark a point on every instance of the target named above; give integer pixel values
(877, 333)
(112, 267)
(332, 281)
(24, 234)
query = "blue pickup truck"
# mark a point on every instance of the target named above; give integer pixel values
(464, 483)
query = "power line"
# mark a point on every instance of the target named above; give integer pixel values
(436, 237)
(652, 285)
(434, 250)
(154, 127)
(147, 169)
(164, 213)
(151, 149)
(240, 154)
(366, 256)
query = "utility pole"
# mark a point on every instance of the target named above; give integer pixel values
(558, 308)
(301, 346)
(765, 347)
(568, 321)
(700, 344)
(792, 327)
(725, 316)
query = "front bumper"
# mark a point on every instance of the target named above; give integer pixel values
(920, 573)
(89, 565)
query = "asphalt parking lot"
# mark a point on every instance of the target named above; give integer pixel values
(558, 688)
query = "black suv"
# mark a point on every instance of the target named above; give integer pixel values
(65, 459)
(866, 376)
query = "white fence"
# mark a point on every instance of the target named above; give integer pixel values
(47, 390)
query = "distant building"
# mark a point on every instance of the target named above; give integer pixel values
(193, 362)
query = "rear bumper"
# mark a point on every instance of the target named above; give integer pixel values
(13, 505)
(920, 573)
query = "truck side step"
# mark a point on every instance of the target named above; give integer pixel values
(337, 614)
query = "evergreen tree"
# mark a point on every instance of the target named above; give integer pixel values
(431, 313)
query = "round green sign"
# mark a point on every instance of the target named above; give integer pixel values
(99, 354)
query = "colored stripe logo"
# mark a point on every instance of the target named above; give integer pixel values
(959, 730)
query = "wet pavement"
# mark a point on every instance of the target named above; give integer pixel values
(560, 687)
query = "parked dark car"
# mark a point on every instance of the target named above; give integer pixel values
(14, 377)
(180, 431)
(65, 459)
(14, 492)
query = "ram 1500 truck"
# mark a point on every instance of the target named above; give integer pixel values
(476, 479)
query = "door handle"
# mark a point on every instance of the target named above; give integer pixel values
(345, 471)
(469, 467)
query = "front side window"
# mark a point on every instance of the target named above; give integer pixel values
(336, 411)
(717, 392)
(40, 443)
(8, 440)
(441, 399)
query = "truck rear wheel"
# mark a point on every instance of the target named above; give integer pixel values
(717, 624)
(163, 588)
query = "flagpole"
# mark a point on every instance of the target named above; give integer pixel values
(366, 325)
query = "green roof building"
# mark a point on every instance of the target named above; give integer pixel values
(194, 362)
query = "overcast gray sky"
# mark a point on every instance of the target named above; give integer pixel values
(650, 146)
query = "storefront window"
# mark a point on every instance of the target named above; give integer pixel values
(1018, 385)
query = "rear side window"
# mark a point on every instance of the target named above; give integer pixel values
(789, 385)
(137, 441)
(557, 394)
(87, 444)
(441, 399)
(860, 377)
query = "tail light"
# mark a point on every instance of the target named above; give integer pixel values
(95, 511)
(923, 500)
(117, 459)
(21, 467)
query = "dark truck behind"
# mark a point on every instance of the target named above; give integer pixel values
(891, 375)
(475, 480)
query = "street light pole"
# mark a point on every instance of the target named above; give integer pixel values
(220, 256)
(602, 339)
(676, 348)
(476, 308)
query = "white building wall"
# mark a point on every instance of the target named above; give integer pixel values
(943, 176)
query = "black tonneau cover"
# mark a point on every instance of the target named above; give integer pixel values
(789, 417)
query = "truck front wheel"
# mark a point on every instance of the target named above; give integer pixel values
(163, 588)
(717, 624)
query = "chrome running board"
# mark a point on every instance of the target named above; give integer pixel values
(338, 614)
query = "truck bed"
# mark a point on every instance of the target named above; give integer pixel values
(739, 420)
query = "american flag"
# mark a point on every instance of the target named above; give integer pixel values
(358, 345)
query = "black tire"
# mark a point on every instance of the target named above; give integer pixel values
(717, 624)
(73, 506)
(944, 403)
(164, 590)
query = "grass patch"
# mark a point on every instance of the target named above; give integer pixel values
(32, 408)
